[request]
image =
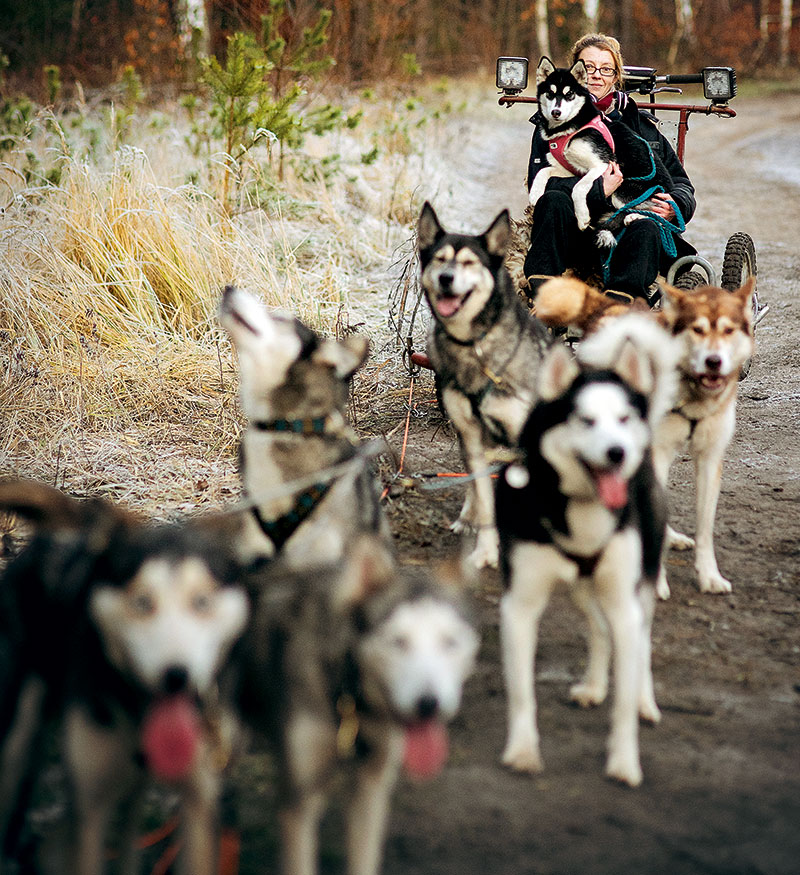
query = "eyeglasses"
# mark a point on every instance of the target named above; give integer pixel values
(603, 71)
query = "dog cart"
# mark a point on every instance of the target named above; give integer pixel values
(719, 87)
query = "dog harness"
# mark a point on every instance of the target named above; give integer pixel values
(281, 529)
(560, 142)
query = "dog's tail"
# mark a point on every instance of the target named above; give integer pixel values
(602, 349)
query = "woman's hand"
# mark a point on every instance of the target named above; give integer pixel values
(612, 178)
(664, 206)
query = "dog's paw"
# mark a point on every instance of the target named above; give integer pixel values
(534, 194)
(662, 586)
(523, 758)
(587, 695)
(633, 217)
(624, 767)
(487, 549)
(714, 583)
(649, 711)
(605, 240)
(678, 541)
(460, 525)
(582, 215)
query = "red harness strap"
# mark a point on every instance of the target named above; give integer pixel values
(559, 144)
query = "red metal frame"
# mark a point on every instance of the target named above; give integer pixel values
(685, 110)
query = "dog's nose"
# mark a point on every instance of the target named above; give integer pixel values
(427, 706)
(556, 113)
(446, 280)
(615, 455)
(713, 362)
(175, 679)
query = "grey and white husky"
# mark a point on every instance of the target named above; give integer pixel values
(353, 668)
(586, 510)
(484, 346)
(294, 389)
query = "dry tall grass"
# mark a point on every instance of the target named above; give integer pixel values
(114, 377)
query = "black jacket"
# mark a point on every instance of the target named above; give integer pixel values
(640, 121)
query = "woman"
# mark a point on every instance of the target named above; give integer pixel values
(556, 242)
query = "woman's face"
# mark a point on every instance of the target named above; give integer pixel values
(595, 60)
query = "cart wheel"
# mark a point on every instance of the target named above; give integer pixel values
(691, 279)
(739, 261)
(738, 265)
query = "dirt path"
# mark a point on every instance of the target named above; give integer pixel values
(722, 784)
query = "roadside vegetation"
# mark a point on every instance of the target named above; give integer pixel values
(120, 222)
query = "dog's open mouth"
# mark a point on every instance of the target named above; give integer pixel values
(448, 305)
(426, 749)
(170, 736)
(712, 382)
(611, 486)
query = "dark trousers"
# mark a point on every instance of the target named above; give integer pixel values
(557, 244)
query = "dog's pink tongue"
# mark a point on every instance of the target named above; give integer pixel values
(426, 749)
(612, 490)
(170, 735)
(447, 306)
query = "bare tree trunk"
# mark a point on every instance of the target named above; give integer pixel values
(786, 31)
(591, 9)
(542, 28)
(684, 28)
(75, 25)
(193, 25)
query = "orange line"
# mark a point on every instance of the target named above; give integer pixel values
(405, 439)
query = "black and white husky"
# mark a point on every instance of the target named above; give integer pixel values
(584, 509)
(484, 346)
(120, 632)
(582, 143)
(353, 669)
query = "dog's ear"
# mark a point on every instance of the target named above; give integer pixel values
(367, 568)
(635, 368)
(498, 234)
(428, 228)
(745, 292)
(578, 70)
(672, 298)
(545, 68)
(49, 509)
(557, 372)
(344, 356)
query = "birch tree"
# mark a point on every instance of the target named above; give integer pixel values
(785, 31)
(684, 28)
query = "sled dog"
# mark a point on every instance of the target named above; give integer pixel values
(714, 328)
(122, 631)
(353, 670)
(584, 509)
(582, 143)
(484, 347)
(294, 388)
(712, 336)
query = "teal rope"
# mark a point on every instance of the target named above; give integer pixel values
(665, 227)
(652, 172)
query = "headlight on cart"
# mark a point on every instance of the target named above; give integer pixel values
(719, 84)
(512, 74)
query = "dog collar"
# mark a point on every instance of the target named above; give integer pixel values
(313, 425)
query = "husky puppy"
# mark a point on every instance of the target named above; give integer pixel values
(583, 143)
(484, 347)
(294, 392)
(711, 331)
(122, 632)
(585, 510)
(353, 668)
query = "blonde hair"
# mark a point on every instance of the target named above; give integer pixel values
(605, 43)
